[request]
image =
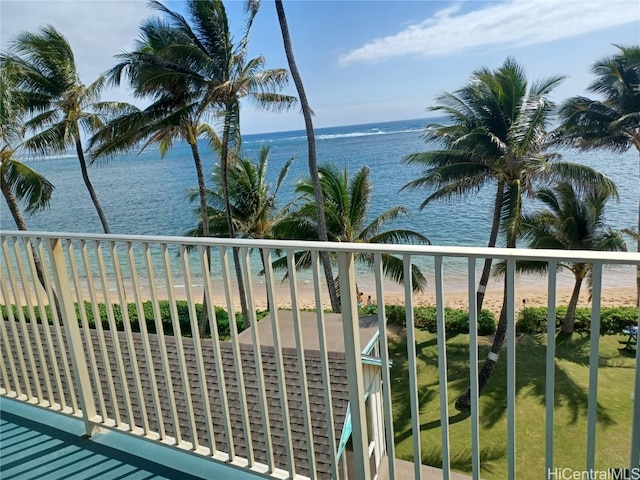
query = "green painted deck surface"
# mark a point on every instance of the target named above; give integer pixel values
(38, 444)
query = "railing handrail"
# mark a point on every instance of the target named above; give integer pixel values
(622, 258)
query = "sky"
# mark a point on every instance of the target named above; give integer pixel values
(365, 61)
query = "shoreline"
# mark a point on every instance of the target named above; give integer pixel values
(530, 292)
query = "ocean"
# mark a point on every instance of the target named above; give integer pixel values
(145, 195)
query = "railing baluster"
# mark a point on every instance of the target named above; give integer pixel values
(386, 373)
(100, 334)
(42, 303)
(27, 373)
(144, 339)
(473, 368)
(43, 371)
(282, 391)
(115, 338)
(511, 367)
(302, 365)
(87, 331)
(324, 363)
(164, 356)
(353, 351)
(197, 347)
(412, 368)
(177, 336)
(64, 361)
(635, 424)
(72, 330)
(550, 363)
(237, 356)
(257, 356)
(128, 333)
(442, 368)
(594, 362)
(7, 345)
(205, 259)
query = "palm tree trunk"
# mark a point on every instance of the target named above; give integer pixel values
(313, 165)
(14, 208)
(569, 319)
(87, 183)
(202, 190)
(493, 238)
(224, 170)
(464, 401)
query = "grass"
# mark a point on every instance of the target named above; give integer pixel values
(615, 384)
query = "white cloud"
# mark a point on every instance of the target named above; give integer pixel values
(96, 29)
(513, 23)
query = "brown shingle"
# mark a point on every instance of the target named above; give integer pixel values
(339, 391)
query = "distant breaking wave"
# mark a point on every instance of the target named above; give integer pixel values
(333, 136)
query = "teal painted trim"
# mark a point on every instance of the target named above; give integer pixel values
(372, 343)
(54, 445)
(375, 361)
(347, 427)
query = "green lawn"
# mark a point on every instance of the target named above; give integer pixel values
(615, 385)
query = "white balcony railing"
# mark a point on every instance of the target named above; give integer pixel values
(258, 400)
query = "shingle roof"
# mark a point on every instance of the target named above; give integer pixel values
(339, 393)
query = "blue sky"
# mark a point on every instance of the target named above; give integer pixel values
(367, 61)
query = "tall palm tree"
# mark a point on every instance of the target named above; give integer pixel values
(496, 135)
(493, 124)
(62, 106)
(572, 221)
(347, 203)
(193, 71)
(311, 148)
(612, 123)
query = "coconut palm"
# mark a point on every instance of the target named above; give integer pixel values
(311, 144)
(62, 106)
(572, 221)
(496, 135)
(612, 123)
(253, 201)
(493, 125)
(193, 71)
(347, 203)
(18, 181)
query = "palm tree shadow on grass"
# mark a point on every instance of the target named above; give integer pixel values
(427, 393)
(568, 394)
(461, 461)
(573, 347)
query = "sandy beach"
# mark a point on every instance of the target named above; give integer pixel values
(617, 290)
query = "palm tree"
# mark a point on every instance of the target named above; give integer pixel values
(612, 123)
(62, 107)
(493, 124)
(18, 181)
(496, 135)
(572, 221)
(311, 145)
(347, 203)
(253, 201)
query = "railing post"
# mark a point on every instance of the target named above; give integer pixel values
(72, 331)
(351, 328)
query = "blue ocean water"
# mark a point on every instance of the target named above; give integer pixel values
(144, 194)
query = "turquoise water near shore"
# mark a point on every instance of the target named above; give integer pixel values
(143, 194)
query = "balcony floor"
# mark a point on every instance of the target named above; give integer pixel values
(35, 443)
